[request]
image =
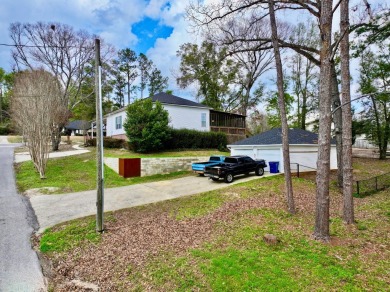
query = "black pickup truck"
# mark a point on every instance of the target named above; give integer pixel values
(235, 165)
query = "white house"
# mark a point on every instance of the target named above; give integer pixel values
(268, 146)
(183, 113)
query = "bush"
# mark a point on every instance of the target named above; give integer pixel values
(146, 125)
(192, 139)
(108, 142)
(5, 129)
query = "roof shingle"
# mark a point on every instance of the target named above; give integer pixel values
(274, 136)
(173, 99)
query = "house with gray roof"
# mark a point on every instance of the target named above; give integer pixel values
(268, 145)
(183, 114)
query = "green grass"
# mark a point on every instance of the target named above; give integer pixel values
(122, 153)
(234, 257)
(70, 235)
(77, 173)
(199, 205)
(241, 261)
(14, 139)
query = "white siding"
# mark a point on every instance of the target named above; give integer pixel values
(333, 157)
(182, 117)
(110, 124)
(304, 155)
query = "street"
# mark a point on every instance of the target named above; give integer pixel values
(20, 269)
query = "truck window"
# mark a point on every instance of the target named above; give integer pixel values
(248, 159)
(214, 158)
(230, 160)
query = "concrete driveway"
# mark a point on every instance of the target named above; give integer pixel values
(53, 209)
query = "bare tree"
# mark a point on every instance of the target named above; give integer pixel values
(217, 17)
(304, 72)
(282, 110)
(257, 122)
(252, 64)
(37, 107)
(60, 50)
(214, 16)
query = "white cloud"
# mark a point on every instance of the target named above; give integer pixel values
(153, 10)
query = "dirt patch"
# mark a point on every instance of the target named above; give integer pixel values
(40, 191)
(137, 235)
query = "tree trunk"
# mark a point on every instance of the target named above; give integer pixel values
(348, 210)
(378, 130)
(282, 110)
(304, 110)
(338, 125)
(1, 105)
(128, 88)
(386, 134)
(56, 138)
(321, 231)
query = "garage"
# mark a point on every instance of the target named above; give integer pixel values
(268, 146)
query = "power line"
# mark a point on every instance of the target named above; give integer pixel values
(44, 46)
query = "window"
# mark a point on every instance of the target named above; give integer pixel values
(203, 120)
(118, 122)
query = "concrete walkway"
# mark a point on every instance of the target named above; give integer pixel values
(25, 156)
(4, 140)
(53, 209)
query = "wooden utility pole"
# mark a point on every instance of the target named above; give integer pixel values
(99, 140)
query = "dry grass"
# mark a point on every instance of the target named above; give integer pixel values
(172, 245)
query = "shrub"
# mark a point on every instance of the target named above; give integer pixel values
(146, 125)
(108, 142)
(192, 139)
(4, 130)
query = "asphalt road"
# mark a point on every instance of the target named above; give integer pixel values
(20, 269)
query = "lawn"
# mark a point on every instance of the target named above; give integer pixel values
(78, 173)
(14, 139)
(123, 153)
(214, 242)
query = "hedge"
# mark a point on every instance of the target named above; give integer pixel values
(108, 142)
(192, 139)
(4, 130)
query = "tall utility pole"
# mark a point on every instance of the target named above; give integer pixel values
(99, 140)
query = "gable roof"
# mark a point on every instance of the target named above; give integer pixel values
(173, 99)
(78, 125)
(166, 98)
(274, 137)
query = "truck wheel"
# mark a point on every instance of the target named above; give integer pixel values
(214, 179)
(229, 178)
(259, 171)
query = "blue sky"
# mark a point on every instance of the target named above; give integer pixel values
(149, 30)
(154, 27)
